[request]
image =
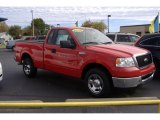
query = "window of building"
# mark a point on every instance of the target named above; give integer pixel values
(139, 33)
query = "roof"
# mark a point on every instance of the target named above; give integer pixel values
(3, 19)
(120, 34)
(136, 25)
(152, 34)
(72, 27)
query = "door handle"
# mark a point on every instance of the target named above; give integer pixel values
(53, 50)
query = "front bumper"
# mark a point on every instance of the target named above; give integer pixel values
(132, 82)
(1, 77)
(9, 47)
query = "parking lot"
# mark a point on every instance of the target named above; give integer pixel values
(51, 87)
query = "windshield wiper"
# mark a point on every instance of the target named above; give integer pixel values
(107, 43)
(90, 43)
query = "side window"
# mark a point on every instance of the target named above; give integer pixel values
(112, 37)
(133, 38)
(63, 35)
(123, 38)
(50, 37)
(154, 41)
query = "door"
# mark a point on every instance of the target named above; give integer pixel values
(61, 60)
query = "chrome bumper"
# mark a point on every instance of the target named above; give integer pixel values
(132, 82)
(1, 77)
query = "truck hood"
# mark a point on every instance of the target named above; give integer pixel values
(117, 49)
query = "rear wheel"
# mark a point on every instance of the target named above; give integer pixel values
(98, 83)
(28, 68)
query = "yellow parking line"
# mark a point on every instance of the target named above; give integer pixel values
(79, 104)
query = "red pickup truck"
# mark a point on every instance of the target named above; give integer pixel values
(88, 54)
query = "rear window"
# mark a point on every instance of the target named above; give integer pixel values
(127, 38)
(123, 38)
(133, 38)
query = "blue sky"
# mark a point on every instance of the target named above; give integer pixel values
(68, 15)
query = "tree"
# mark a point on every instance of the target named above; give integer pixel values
(39, 26)
(27, 31)
(87, 24)
(3, 27)
(15, 31)
(101, 26)
(47, 27)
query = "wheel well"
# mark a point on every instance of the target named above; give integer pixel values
(25, 55)
(95, 65)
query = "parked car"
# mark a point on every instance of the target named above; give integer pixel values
(88, 54)
(123, 38)
(5, 37)
(11, 44)
(1, 72)
(151, 42)
(2, 40)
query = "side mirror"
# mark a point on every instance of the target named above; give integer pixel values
(67, 44)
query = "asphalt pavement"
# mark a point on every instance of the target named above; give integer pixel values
(52, 87)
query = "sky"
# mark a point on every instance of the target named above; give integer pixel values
(70, 11)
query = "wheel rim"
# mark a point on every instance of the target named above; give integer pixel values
(27, 69)
(95, 83)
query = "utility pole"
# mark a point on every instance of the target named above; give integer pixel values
(76, 23)
(108, 22)
(32, 23)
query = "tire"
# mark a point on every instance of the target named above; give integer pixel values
(98, 83)
(28, 68)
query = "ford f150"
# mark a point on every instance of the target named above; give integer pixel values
(88, 54)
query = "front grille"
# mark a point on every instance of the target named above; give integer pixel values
(144, 60)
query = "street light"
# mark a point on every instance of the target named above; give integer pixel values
(108, 22)
(32, 23)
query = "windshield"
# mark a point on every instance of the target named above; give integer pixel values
(91, 36)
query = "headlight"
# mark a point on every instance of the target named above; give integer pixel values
(125, 62)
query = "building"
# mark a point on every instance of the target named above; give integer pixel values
(136, 29)
(5, 37)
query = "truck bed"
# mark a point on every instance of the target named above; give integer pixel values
(35, 48)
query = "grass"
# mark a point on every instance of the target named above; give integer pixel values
(2, 46)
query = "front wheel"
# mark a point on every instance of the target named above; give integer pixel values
(28, 68)
(98, 83)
